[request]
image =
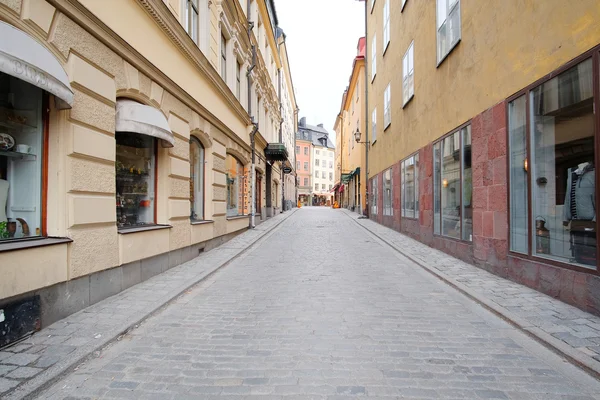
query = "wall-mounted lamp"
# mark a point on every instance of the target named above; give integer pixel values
(525, 165)
(445, 183)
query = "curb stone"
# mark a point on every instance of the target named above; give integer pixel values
(29, 389)
(576, 357)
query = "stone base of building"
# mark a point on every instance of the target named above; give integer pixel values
(489, 248)
(65, 298)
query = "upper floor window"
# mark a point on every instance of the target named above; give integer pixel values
(196, 179)
(305, 150)
(386, 24)
(317, 152)
(316, 174)
(191, 15)
(297, 165)
(448, 27)
(403, 4)
(238, 82)
(374, 125)
(408, 75)
(306, 165)
(323, 174)
(305, 181)
(297, 149)
(372, 4)
(223, 57)
(373, 58)
(317, 162)
(387, 110)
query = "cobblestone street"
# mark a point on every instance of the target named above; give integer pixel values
(325, 310)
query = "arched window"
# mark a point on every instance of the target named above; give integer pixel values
(235, 186)
(196, 180)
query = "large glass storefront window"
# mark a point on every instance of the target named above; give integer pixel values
(235, 187)
(388, 206)
(517, 136)
(563, 177)
(410, 187)
(136, 172)
(453, 185)
(196, 180)
(21, 150)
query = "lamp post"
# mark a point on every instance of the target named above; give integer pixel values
(357, 136)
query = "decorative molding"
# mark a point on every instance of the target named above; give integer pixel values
(94, 26)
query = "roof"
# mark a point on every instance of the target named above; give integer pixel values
(317, 135)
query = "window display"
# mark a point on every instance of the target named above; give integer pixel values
(235, 187)
(517, 121)
(196, 180)
(21, 150)
(135, 172)
(410, 187)
(563, 177)
(453, 185)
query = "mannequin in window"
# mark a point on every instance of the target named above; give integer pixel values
(580, 212)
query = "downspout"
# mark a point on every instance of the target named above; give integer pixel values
(366, 116)
(255, 125)
(281, 129)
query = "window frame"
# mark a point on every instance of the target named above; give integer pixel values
(373, 194)
(389, 209)
(441, 59)
(460, 160)
(241, 187)
(403, 4)
(196, 141)
(594, 54)
(238, 80)
(374, 125)
(386, 26)
(223, 56)
(192, 7)
(416, 156)
(387, 106)
(373, 58)
(410, 53)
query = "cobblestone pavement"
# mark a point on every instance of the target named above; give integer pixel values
(539, 313)
(324, 310)
(48, 353)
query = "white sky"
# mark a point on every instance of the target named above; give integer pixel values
(322, 39)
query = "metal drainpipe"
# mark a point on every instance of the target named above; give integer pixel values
(255, 125)
(366, 115)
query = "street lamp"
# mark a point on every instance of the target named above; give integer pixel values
(357, 136)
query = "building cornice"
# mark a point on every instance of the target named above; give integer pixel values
(93, 25)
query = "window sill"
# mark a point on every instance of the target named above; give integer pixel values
(438, 235)
(136, 229)
(385, 49)
(201, 222)
(237, 217)
(387, 126)
(21, 244)
(412, 219)
(448, 53)
(408, 101)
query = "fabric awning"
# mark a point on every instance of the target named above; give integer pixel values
(139, 118)
(23, 57)
(346, 177)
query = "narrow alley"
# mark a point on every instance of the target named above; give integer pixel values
(324, 310)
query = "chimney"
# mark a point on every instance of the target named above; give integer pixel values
(303, 121)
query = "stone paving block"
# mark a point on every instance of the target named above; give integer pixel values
(24, 372)
(5, 369)
(21, 359)
(7, 384)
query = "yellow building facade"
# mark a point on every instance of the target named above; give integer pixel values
(133, 119)
(350, 155)
(482, 118)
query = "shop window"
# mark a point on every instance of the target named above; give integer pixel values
(21, 153)
(374, 196)
(196, 180)
(454, 185)
(235, 178)
(387, 193)
(560, 172)
(448, 27)
(437, 184)
(135, 177)
(409, 171)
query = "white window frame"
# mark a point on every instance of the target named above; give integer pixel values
(223, 56)
(374, 126)
(372, 4)
(387, 106)
(403, 4)
(408, 74)
(373, 58)
(444, 19)
(386, 25)
(192, 8)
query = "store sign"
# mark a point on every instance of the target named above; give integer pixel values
(287, 170)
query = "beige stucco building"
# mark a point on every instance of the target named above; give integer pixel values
(350, 156)
(126, 139)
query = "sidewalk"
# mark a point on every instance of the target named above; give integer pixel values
(565, 329)
(43, 358)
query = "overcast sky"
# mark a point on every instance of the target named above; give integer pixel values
(322, 36)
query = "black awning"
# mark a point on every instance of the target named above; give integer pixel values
(276, 152)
